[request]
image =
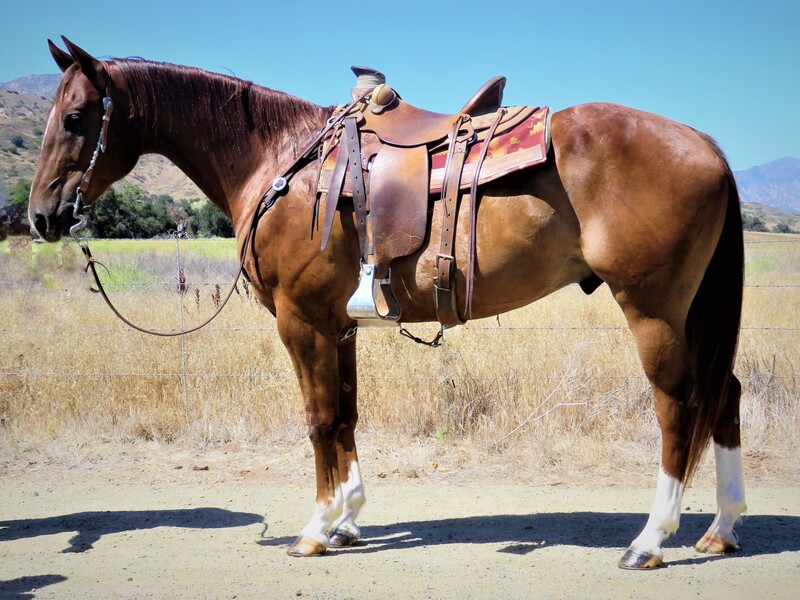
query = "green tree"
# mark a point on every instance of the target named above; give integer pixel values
(783, 227)
(211, 221)
(14, 215)
(753, 223)
(18, 197)
(131, 213)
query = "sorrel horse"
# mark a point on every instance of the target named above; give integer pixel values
(646, 204)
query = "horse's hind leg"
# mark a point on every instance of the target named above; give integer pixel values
(720, 537)
(663, 351)
(345, 532)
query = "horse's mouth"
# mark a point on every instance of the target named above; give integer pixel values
(52, 228)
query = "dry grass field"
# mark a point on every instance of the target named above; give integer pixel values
(554, 386)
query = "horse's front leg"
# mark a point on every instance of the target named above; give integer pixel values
(315, 358)
(345, 532)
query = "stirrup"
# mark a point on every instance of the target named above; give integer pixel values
(361, 306)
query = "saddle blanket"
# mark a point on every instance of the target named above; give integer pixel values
(523, 146)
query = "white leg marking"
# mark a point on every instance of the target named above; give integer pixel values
(354, 498)
(322, 519)
(730, 492)
(664, 516)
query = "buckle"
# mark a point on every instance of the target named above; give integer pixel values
(449, 257)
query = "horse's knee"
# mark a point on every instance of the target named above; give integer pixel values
(324, 433)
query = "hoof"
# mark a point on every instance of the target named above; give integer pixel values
(342, 539)
(713, 544)
(305, 547)
(639, 561)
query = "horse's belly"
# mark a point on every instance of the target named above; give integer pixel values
(524, 252)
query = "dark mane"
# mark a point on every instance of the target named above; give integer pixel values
(235, 107)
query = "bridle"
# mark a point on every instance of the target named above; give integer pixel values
(102, 140)
(278, 187)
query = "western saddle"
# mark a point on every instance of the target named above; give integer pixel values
(400, 159)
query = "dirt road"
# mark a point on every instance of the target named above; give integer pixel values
(169, 524)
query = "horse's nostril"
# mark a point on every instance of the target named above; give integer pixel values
(40, 222)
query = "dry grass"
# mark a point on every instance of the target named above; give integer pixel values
(555, 386)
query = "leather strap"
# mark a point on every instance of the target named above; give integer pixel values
(102, 142)
(352, 148)
(334, 192)
(446, 304)
(473, 210)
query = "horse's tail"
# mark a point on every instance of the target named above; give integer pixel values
(712, 325)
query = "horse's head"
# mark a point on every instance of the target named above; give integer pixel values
(66, 178)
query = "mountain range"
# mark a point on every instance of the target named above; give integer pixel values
(776, 184)
(33, 85)
(770, 192)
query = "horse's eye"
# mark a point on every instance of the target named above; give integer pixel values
(73, 123)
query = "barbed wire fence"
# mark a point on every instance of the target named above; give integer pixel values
(184, 374)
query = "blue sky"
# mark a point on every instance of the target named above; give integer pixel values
(730, 68)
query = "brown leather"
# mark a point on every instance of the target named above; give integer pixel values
(398, 194)
(473, 209)
(410, 156)
(330, 199)
(487, 99)
(515, 116)
(353, 151)
(402, 124)
(446, 305)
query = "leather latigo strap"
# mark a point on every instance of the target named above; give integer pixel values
(460, 137)
(334, 193)
(348, 159)
(473, 211)
(353, 151)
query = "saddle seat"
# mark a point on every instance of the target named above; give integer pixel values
(402, 124)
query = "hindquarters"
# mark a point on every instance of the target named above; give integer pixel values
(712, 332)
(660, 223)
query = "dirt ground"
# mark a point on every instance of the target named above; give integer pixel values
(156, 522)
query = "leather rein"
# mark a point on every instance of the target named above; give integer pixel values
(278, 187)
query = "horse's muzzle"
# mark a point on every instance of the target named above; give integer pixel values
(52, 227)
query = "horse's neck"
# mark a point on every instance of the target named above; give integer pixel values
(228, 162)
(201, 168)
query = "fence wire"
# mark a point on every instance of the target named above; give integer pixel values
(185, 374)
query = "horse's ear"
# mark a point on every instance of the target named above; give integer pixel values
(91, 67)
(63, 60)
